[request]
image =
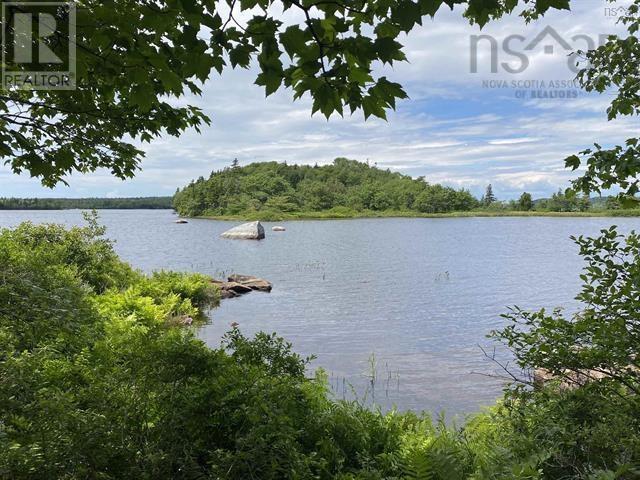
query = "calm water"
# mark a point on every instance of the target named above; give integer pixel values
(416, 296)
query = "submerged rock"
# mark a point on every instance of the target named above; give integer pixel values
(278, 228)
(246, 231)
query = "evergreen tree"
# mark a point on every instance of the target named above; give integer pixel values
(488, 197)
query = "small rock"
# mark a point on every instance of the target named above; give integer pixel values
(246, 231)
(184, 320)
(224, 294)
(181, 221)
(278, 228)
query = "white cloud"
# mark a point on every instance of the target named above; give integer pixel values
(513, 141)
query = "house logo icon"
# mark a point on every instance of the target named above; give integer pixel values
(549, 48)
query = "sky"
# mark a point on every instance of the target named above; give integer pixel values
(460, 128)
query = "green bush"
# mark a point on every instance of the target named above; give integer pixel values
(588, 418)
(97, 381)
(82, 248)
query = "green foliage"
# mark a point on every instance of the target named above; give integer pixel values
(84, 203)
(273, 191)
(97, 380)
(525, 202)
(439, 199)
(133, 58)
(602, 337)
(103, 385)
(81, 248)
(269, 191)
(587, 418)
(585, 433)
(613, 68)
(612, 203)
(196, 288)
(568, 201)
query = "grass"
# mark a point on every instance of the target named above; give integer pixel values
(335, 214)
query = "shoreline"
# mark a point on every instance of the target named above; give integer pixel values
(471, 214)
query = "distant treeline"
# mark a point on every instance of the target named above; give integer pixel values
(348, 188)
(84, 203)
(273, 189)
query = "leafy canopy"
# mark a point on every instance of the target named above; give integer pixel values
(614, 68)
(135, 59)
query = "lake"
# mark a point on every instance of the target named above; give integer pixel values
(409, 299)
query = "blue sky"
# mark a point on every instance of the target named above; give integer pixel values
(453, 129)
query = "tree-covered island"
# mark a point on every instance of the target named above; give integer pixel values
(348, 188)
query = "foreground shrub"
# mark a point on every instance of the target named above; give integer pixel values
(588, 416)
(96, 381)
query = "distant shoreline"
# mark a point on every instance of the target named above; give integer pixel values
(164, 203)
(471, 214)
(87, 203)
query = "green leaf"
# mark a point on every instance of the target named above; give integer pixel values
(372, 106)
(241, 55)
(170, 81)
(293, 40)
(271, 80)
(430, 7)
(572, 162)
(407, 14)
(543, 5)
(388, 50)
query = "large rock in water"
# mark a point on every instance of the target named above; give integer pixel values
(246, 231)
(240, 284)
(254, 283)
